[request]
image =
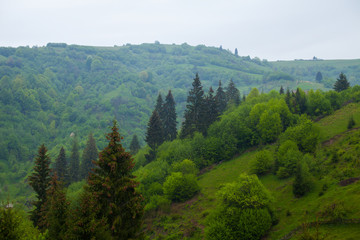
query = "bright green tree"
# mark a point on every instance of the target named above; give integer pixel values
(269, 126)
(113, 185)
(39, 180)
(179, 187)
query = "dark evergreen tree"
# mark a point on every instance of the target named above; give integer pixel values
(220, 99)
(113, 185)
(159, 107)
(232, 94)
(56, 210)
(281, 90)
(351, 122)
(318, 77)
(194, 112)
(211, 113)
(342, 83)
(89, 155)
(74, 162)
(134, 145)
(39, 180)
(302, 183)
(154, 135)
(300, 100)
(61, 166)
(169, 119)
(236, 52)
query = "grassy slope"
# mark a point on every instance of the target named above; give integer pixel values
(291, 211)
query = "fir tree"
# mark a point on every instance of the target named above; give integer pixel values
(40, 182)
(281, 90)
(74, 162)
(61, 165)
(220, 99)
(232, 94)
(89, 155)
(134, 145)
(56, 213)
(113, 186)
(154, 135)
(194, 112)
(159, 107)
(169, 119)
(211, 113)
(342, 83)
(318, 77)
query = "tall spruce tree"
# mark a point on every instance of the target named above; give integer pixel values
(39, 180)
(220, 99)
(61, 166)
(159, 107)
(154, 135)
(211, 113)
(89, 155)
(281, 90)
(74, 161)
(342, 83)
(232, 94)
(194, 112)
(113, 184)
(169, 119)
(134, 145)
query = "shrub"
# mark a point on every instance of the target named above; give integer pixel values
(263, 162)
(186, 167)
(351, 122)
(179, 187)
(158, 202)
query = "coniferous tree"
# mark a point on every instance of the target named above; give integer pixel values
(40, 182)
(74, 162)
(134, 145)
(232, 94)
(169, 120)
(194, 112)
(61, 166)
(342, 83)
(236, 52)
(318, 77)
(113, 185)
(159, 107)
(56, 212)
(302, 183)
(89, 155)
(281, 90)
(220, 99)
(300, 100)
(211, 113)
(154, 135)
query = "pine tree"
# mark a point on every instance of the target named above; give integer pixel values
(342, 83)
(318, 77)
(169, 120)
(40, 182)
(134, 145)
(154, 135)
(194, 112)
(211, 113)
(281, 90)
(159, 107)
(232, 94)
(74, 162)
(61, 166)
(220, 99)
(113, 186)
(56, 213)
(89, 155)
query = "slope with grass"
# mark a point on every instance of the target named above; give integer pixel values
(188, 220)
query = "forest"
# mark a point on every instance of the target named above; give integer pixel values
(198, 141)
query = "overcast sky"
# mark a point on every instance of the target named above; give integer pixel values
(273, 30)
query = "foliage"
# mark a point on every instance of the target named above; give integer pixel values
(263, 163)
(61, 166)
(288, 156)
(185, 167)
(342, 83)
(134, 145)
(302, 183)
(169, 119)
(40, 182)
(113, 185)
(74, 165)
(89, 155)
(179, 187)
(154, 135)
(351, 122)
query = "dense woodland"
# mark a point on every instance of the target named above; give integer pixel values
(63, 98)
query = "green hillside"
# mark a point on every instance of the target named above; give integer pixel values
(189, 218)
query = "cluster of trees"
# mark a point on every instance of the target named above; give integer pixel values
(108, 208)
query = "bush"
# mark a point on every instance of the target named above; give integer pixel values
(351, 122)
(158, 202)
(263, 162)
(186, 167)
(179, 187)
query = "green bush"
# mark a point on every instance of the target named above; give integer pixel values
(263, 162)
(180, 187)
(158, 202)
(186, 167)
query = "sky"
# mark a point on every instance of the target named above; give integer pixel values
(268, 29)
